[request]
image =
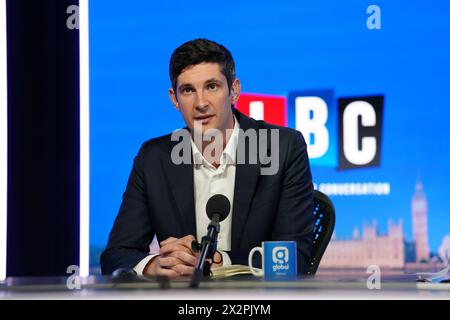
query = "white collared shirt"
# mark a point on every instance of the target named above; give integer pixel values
(208, 181)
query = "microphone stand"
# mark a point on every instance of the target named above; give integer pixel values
(207, 249)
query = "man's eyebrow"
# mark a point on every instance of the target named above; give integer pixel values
(184, 85)
(213, 80)
(189, 85)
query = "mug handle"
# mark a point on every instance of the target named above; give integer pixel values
(256, 272)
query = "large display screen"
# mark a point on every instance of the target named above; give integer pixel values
(366, 82)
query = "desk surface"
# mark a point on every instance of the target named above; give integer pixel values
(240, 287)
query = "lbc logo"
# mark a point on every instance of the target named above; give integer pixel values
(345, 136)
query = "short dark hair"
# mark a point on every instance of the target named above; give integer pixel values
(197, 51)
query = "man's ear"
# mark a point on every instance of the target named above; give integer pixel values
(173, 98)
(235, 91)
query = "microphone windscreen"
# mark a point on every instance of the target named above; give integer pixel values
(218, 204)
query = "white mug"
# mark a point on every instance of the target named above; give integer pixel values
(279, 260)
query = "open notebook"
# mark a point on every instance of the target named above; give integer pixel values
(442, 276)
(228, 271)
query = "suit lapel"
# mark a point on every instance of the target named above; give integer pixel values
(244, 187)
(181, 182)
(245, 184)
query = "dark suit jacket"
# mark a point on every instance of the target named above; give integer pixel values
(159, 199)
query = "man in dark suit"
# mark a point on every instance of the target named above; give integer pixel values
(167, 198)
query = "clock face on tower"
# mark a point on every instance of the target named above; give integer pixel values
(420, 205)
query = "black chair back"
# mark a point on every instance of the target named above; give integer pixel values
(324, 217)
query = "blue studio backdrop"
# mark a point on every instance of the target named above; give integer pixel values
(397, 51)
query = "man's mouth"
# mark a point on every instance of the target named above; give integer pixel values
(204, 119)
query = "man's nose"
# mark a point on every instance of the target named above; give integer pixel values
(201, 102)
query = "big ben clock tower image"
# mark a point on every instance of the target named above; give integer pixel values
(419, 208)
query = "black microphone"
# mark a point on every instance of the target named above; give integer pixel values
(217, 209)
(124, 275)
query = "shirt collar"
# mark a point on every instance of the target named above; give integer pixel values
(228, 156)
